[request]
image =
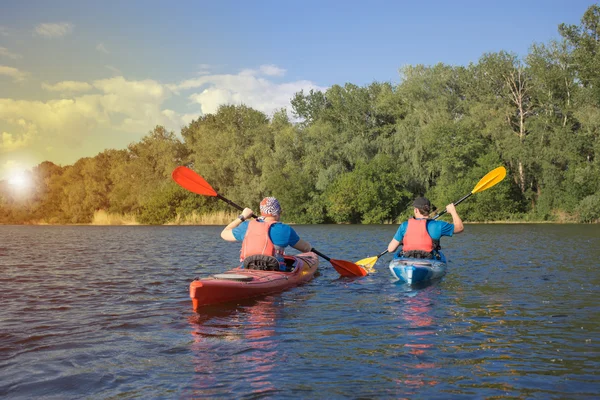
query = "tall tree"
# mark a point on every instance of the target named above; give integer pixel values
(229, 149)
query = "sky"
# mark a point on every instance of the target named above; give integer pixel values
(80, 77)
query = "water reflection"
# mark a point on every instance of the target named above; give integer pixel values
(418, 326)
(239, 338)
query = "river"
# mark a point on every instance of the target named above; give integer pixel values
(97, 312)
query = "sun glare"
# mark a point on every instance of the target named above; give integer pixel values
(19, 181)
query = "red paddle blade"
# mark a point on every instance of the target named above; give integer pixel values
(347, 268)
(188, 179)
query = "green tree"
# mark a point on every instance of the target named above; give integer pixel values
(143, 169)
(372, 193)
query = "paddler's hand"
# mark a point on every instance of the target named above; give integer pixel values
(227, 233)
(451, 209)
(247, 213)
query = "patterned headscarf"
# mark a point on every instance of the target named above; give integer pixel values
(270, 207)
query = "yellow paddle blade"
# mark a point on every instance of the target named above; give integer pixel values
(367, 263)
(492, 178)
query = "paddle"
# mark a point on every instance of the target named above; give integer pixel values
(369, 262)
(344, 268)
(489, 180)
(188, 179)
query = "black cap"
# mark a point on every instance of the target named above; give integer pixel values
(422, 203)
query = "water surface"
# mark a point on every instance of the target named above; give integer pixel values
(103, 313)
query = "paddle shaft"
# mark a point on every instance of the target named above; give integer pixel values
(320, 254)
(231, 203)
(455, 203)
(381, 254)
(489, 180)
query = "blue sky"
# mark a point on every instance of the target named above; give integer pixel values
(77, 77)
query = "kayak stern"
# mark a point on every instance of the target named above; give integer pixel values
(415, 270)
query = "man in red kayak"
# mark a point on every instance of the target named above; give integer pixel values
(420, 236)
(264, 236)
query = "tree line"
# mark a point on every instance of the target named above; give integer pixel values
(355, 154)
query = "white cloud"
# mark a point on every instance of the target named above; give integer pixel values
(54, 30)
(6, 53)
(132, 89)
(210, 99)
(131, 106)
(18, 140)
(128, 106)
(204, 69)
(272, 70)
(55, 119)
(9, 142)
(67, 87)
(101, 48)
(14, 73)
(189, 117)
(267, 70)
(247, 87)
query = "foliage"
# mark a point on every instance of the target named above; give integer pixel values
(361, 154)
(588, 208)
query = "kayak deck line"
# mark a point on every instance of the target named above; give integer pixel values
(233, 277)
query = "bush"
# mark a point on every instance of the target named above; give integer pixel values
(589, 208)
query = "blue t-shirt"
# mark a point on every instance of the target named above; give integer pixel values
(281, 235)
(436, 229)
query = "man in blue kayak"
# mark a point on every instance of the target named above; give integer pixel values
(264, 236)
(420, 236)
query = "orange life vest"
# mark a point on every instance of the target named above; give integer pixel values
(417, 237)
(257, 240)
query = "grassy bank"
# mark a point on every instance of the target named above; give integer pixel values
(217, 218)
(102, 217)
(223, 218)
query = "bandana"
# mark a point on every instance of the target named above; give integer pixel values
(269, 207)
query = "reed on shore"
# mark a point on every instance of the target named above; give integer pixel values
(102, 217)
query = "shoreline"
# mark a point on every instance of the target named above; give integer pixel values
(293, 223)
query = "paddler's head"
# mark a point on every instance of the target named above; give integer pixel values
(422, 206)
(270, 207)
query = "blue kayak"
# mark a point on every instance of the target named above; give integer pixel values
(415, 270)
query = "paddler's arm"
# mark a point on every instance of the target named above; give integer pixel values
(303, 246)
(227, 233)
(456, 221)
(393, 245)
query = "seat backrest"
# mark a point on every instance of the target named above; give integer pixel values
(261, 262)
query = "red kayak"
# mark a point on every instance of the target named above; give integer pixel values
(240, 283)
